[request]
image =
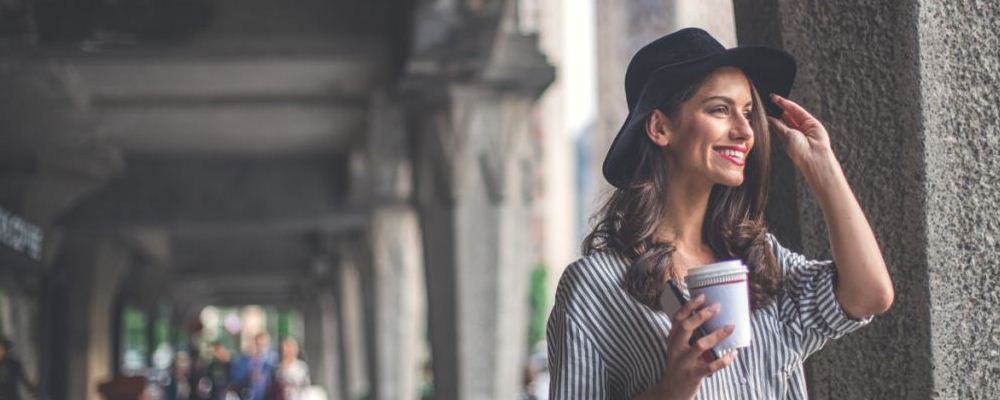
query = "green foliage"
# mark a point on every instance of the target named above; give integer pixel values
(538, 300)
(283, 323)
(133, 337)
(162, 330)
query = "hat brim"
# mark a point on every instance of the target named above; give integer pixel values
(770, 70)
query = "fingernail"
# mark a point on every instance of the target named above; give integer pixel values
(715, 307)
(774, 96)
(730, 328)
(700, 297)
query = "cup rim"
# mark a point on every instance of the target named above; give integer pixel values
(716, 273)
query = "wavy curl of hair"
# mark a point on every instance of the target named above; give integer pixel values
(734, 224)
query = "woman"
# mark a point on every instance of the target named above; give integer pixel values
(293, 373)
(690, 167)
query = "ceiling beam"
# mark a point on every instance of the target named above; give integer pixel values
(217, 194)
(252, 128)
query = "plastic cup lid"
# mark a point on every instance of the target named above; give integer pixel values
(721, 267)
(709, 271)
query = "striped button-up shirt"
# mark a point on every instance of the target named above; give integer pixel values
(603, 344)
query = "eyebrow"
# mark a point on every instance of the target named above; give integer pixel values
(724, 98)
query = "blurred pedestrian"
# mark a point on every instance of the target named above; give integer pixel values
(252, 374)
(213, 381)
(12, 374)
(179, 386)
(293, 373)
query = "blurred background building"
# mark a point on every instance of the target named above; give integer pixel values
(398, 184)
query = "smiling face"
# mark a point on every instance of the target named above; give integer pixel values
(709, 137)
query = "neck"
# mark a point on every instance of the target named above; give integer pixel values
(684, 213)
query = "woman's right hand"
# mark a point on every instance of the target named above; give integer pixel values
(685, 367)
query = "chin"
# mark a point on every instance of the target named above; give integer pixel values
(731, 182)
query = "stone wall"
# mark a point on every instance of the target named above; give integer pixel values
(959, 75)
(902, 88)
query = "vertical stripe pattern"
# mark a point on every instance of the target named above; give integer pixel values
(605, 345)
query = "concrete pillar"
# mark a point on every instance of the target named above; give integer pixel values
(96, 267)
(959, 54)
(20, 317)
(321, 346)
(394, 289)
(469, 90)
(438, 221)
(328, 374)
(566, 113)
(310, 345)
(471, 114)
(397, 269)
(475, 178)
(900, 87)
(352, 340)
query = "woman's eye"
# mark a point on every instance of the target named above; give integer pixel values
(748, 114)
(720, 110)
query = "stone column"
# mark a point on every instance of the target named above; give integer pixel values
(321, 344)
(52, 159)
(469, 90)
(329, 361)
(398, 302)
(21, 312)
(382, 173)
(475, 179)
(437, 222)
(96, 267)
(352, 342)
(900, 87)
(959, 72)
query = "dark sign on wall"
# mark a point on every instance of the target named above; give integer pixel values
(20, 235)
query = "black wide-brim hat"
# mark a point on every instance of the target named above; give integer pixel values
(669, 63)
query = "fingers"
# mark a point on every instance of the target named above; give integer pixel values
(787, 118)
(683, 330)
(700, 317)
(721, 363)
(786, 135)
(779, 126)
(677, 334)
(794, 114)
(685, 311)
(710, 340)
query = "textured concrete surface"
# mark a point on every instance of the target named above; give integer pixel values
(858, 74)
(907, 91)
(959, 74)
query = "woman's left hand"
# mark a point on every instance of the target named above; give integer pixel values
(804, 137)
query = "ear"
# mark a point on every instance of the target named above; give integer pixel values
(658, 128)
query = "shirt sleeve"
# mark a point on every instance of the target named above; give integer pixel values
(576, 368)
(808, 304)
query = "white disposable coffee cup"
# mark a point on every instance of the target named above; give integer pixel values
(724, 283)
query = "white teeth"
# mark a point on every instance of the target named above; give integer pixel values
(731, 153)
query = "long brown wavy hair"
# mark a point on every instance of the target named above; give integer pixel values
(734, 224)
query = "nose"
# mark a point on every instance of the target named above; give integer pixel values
(741, 128)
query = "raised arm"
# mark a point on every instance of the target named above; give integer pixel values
(864, 287)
